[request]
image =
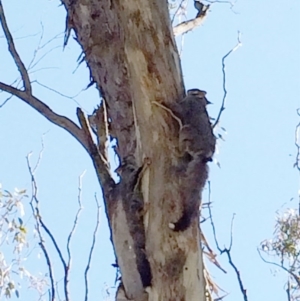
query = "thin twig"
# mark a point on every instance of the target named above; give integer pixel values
(288, 291)
(211, 219)
(280, 266)
(297, 143)
(239, 43)
(238, 274)
(40, 154)
(177, 10)
(226, 250)
(27, 96)
(67, 271)
(34, 63)
(59, 93)
(91, 250)
(57, 290)
(53, 117)
(223, 2)
(17, 82)
(13, 51)
(36, 214)
(210, 254)
(41, 224)
(231, 231)
(5, 101)
(61, 121)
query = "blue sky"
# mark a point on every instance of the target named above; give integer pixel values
(256, 176)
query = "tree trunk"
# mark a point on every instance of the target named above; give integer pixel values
(130, 50)
(132, 56)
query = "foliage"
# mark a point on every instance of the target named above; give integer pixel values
(285, 248)
(14, 244)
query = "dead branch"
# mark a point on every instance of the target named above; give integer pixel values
(91, 250)
(59, 93)
(223, 2)
(40, 225)
(14, 53)
(69, 264)
(38, 105)
(227, 250)
(238, 274)
(177, 10)
(82, 135)
(42, 108)
(239, 43)
(34, 204)
(297, 143)
(189, 25)
(5, 101)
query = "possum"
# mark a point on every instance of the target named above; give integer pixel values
(196, 145)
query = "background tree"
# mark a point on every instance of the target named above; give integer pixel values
(283, 249)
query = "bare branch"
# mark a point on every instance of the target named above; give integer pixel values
(82, 135)
(239, 43)
(91, 250)
(5, 101)
(32, 172)
(187, 26)
(282, 267)
(226, 250)
(238, 274)
(211, 219)
(40, 223)
(15, 83)
(223, 2)
(36, 214)
(67, 271)
(13, 51)
(231, 231)
(33, 61)
(177, 10)
(59, 93)
(42, 108)
(40, 156)
(297, 143)
(288, 291)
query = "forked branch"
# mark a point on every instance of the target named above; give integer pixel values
(42, 108)
(239, 43)
(227, 250)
